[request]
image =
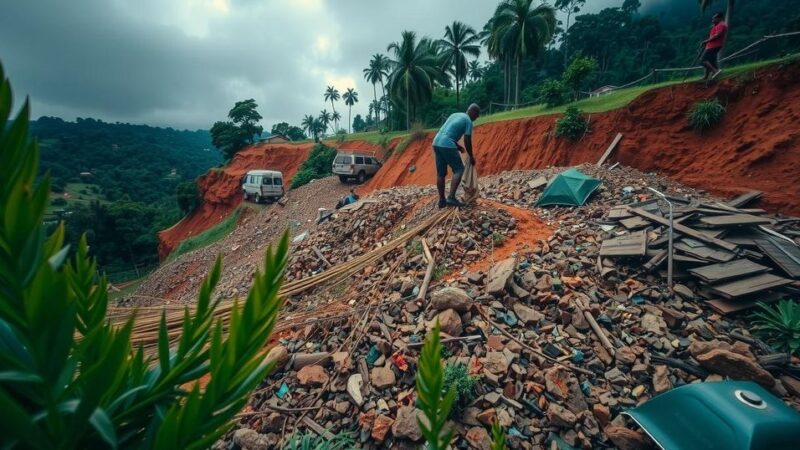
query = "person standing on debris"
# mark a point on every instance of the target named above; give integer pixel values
(446, 148)
(714, 43)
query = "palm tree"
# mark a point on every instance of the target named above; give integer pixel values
(325, 118)
(332, 94)
(319, 127)
(414, 70)
(375, 73)
(335, 117)
(520, 31)
(474, 71)
(459, 41)
(384, 65)
(309, 125)
(350, 98)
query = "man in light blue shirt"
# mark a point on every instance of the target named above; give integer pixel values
(446, 149)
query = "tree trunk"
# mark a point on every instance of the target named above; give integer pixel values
(408, 106)
(335, 127)
(349, 121)
(374, 112)
(516, 91)
(386, 102)
(457, 102)
(566, 41)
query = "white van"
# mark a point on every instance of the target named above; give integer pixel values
(354, 165)
(261, 185)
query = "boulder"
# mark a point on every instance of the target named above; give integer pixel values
(449, 322)
(405, 424)
(382, 377)
(312, 376)
(496, 363)
(499, 275)
(451, 298)
(735, 366)
(527, 314)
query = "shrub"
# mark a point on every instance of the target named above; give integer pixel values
(571, 125)
(317, 165)
(70, 378)
(704, 115)
(430, 398)
(552, 93)
(416, 133)
(580, 68)
(456, 377)
(779, 325)
(311, 441)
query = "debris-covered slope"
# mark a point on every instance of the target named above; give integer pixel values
(756, 146)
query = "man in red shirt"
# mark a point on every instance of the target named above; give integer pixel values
(714, 43)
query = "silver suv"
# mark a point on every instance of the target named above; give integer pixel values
(355, 165)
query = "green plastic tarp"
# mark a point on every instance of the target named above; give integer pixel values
(571, 188)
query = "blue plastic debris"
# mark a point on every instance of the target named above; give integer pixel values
(373, 355)
(577, 356)
(282, 391)
(510, 319)
(513, 432)
(415, 291)
(586, 387)
(413, 339)
(637, 299)
(524, 264)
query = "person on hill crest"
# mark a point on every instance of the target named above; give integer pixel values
(446, 149)
(714, 43)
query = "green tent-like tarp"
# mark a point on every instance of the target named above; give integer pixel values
(571, 187)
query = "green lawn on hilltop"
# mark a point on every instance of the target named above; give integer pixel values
(75, 193)
(614, 100)
(209, 236)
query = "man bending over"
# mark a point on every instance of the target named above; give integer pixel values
(446, 148)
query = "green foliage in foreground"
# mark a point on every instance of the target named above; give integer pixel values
(71, 379)
(456, 377)
(571, 125)
(310, 441)
(430, 385)
(498, 437)
(779, 325)
(316, 166)
(705, 114)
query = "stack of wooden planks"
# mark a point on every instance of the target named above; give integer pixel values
(733, 256)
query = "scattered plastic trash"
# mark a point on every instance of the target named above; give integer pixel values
(627, 191)
(637, 299)
(400, 361)
(373, 355)
(586, 387)
(551, 350)
(282, 391)
(577, 356)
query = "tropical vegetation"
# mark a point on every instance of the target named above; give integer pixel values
(779, 325)
(706, 114)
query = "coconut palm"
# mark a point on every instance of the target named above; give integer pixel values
(332, 94)
(336, 117)
(474, 71)
(414, 70)
(384, 64)
(309, 125)
(375, 73)
(350, 98)
(325, 118)
(460, 41)
(520, 31)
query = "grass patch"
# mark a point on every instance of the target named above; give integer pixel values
(456, 376)
(208, 237)
(706, 114)
(75, 194)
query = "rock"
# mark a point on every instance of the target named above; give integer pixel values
(354, 384)
(654, 324)
(601, 413)
(449, 322)
(499, 275)
(382, 377)
(661, 381)
(626, 356)
(342, 362)
(451, 298)
(791, 384)
(381, 427)
(487, 417)
(735, 366)
(527, 314)
(560, 416)
(301, 360)
(564, 386)
(273, 423)
(478, 437)
(312, 376)
(626, 439)
(279, 355)
(683, 291)
(250, 439)
(496, 363)
(405, 425)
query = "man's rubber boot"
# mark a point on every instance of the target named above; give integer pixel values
(451, 201)
(442, 203)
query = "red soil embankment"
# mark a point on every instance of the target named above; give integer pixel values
(754, 147)
(221, 192)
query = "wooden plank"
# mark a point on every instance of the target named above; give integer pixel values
(705, 252)
(744, 199)
(634, 244)
(783, 254)
(724, 307)
(634, 223)
(656, 260)
(537, 182)
(619, 212)
(731, 220)
(609, 149)
(685, 230)
(751, 285)
(716, 273)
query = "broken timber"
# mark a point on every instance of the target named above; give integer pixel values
(784, 255)
(757, 283)
(729, 220)
(717, 273)
(744, 199)
(609, 149)
(634, 244)
(685, 230)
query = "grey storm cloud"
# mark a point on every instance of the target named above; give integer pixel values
(183, 63)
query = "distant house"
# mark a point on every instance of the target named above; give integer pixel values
(86, 174)
(274, 139)
(602, 91)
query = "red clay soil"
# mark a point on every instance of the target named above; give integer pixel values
(756, 146)
(221, 192)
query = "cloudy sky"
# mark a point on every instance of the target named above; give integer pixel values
(183, 63)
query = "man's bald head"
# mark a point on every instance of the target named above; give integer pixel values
(474, 111)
